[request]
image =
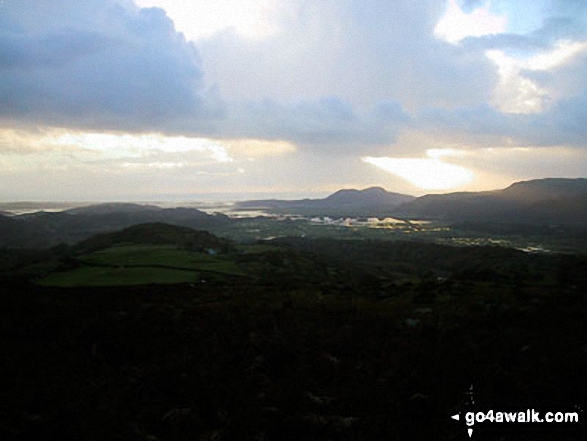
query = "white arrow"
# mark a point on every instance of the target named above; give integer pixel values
(455, 417)
(470, 432)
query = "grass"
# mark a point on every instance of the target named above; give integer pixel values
(256, 248)
(141, 265)
(163, 255)
(102, 276)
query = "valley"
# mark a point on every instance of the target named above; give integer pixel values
(147, 323)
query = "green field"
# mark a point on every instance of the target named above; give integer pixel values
(102, 276)
(162, 255)
(142, 264)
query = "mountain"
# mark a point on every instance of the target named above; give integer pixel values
(42, 229)
(374, 201)
(547, 189)
(543, 201)
(114, 207)
(367, 197)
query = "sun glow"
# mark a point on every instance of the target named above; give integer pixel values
(258, 148)
(425, 173)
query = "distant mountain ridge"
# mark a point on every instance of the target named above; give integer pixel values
(350, 202)
(540, 201)
(113, 207)
(548, 188)
(42, 229)
(550, 200)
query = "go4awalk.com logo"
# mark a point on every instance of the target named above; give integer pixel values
(484, 418)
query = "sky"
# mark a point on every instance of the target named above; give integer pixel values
(224, 99)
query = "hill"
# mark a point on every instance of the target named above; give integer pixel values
(541, 201)
(145, 254)
(114, 207)
(155, 234)
(16, 233)
(42, 229)
(374, 201)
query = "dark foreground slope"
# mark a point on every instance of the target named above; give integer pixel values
(315, 340)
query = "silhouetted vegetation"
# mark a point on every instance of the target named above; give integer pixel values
(289, 339)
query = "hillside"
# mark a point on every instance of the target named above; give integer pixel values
(114, 207)
(347, 202)
(155, 234)
(541, 201)
(152, 253)
(16, 233)
(42, 229)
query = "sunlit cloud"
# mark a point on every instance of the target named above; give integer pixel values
(257, 148)
(130, 145)
(201, 19)
(21, 142)
(160, 165)
(562, 53)
(517, 93)
(456, 25)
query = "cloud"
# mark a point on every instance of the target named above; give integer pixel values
(329, 124)
(204, 18)
(563, 81)
(258, 148)
(360, 52)
(470, 5)
(534, 25)
(540, 98)
(456, 24)
(324, 81)
(562, 124)
(336, 76)
(105, 66)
